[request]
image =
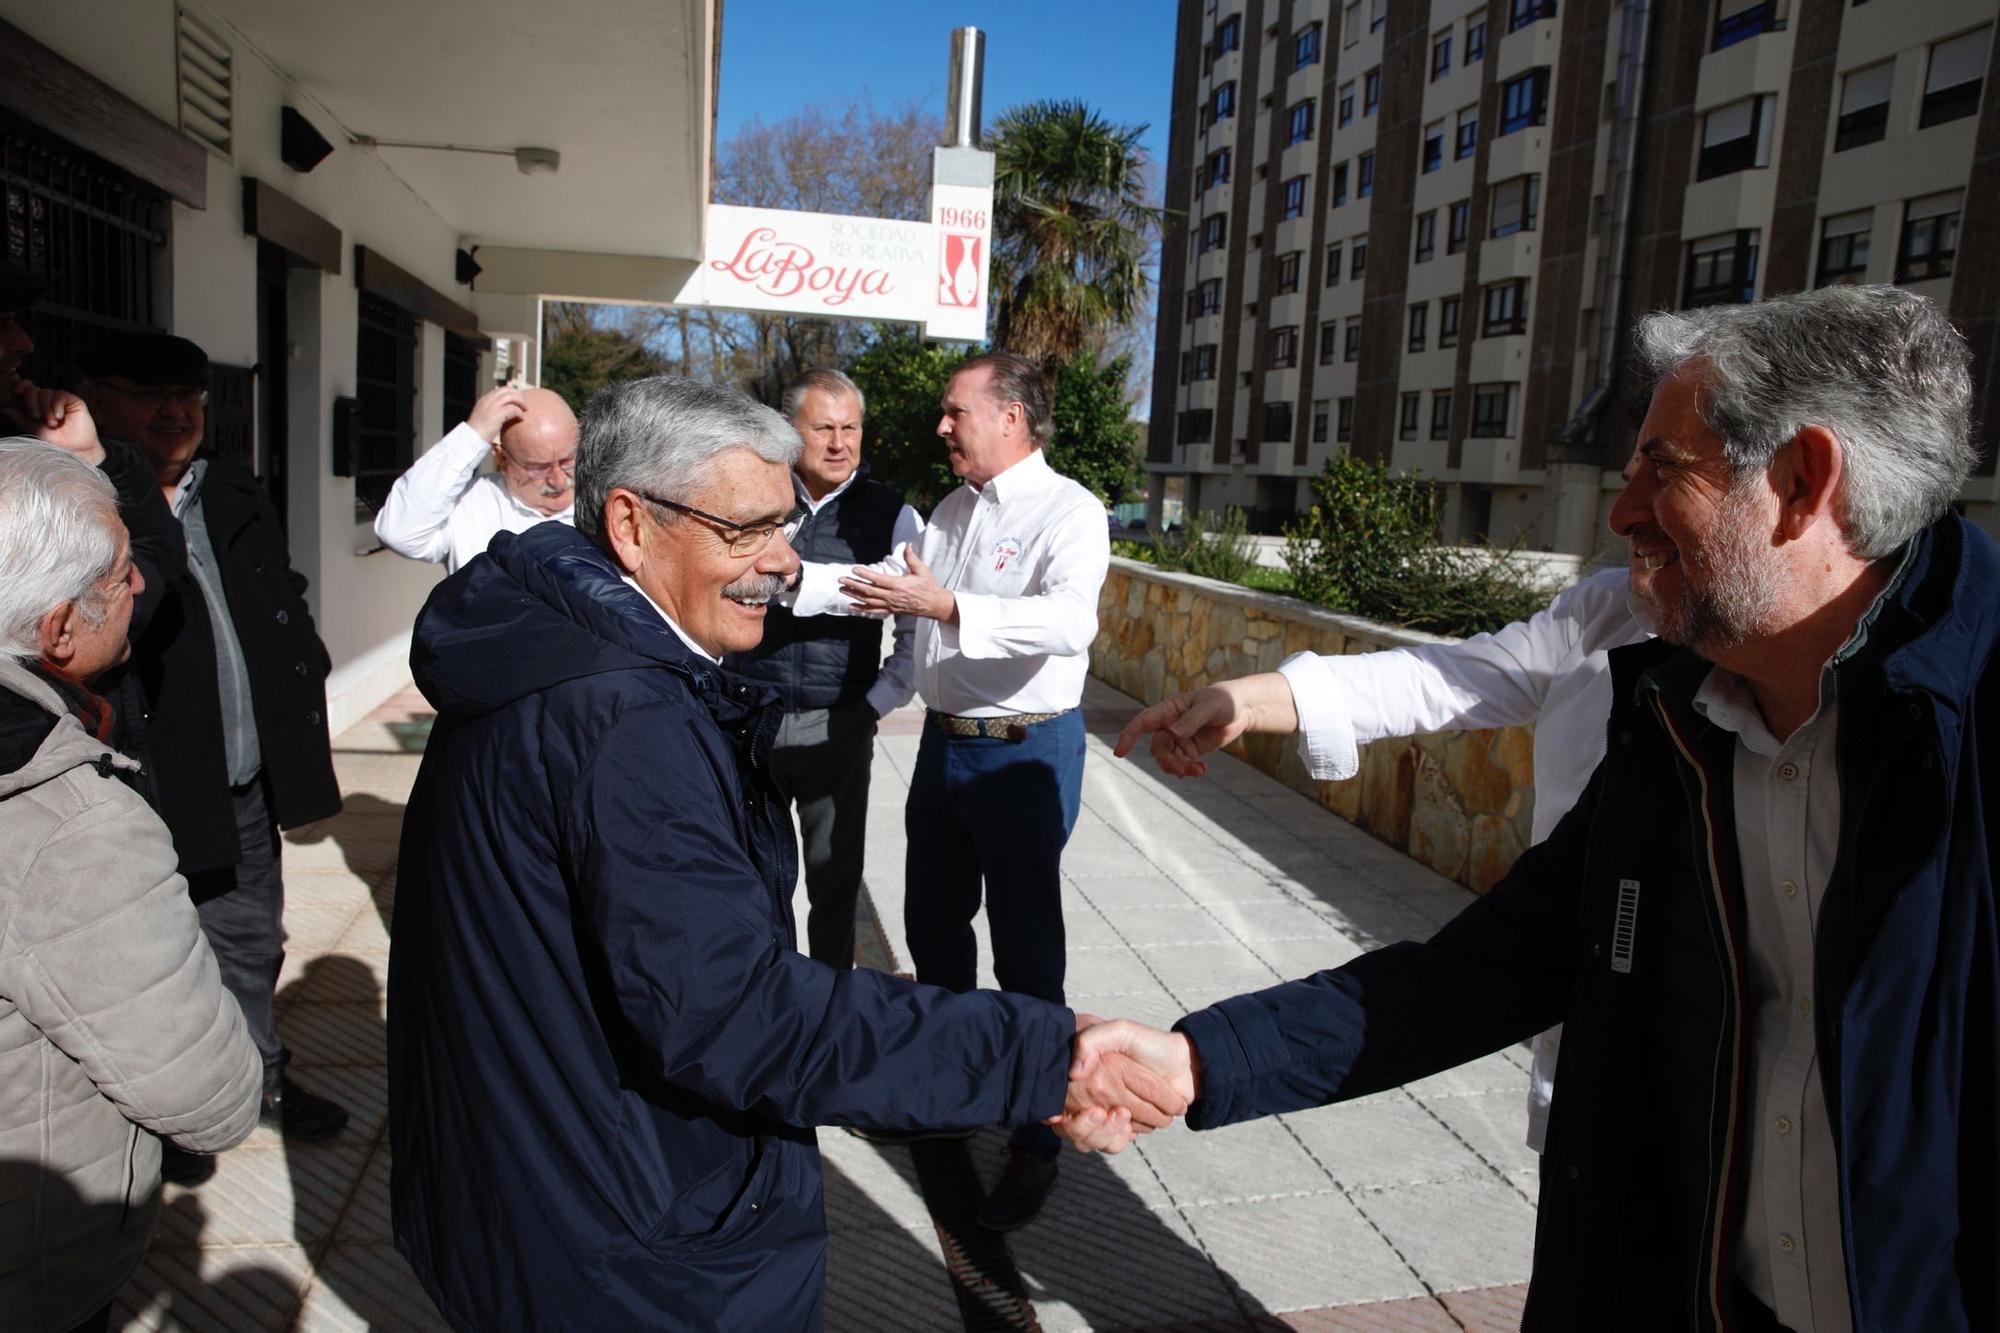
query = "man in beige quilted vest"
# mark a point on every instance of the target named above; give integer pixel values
(113, 1019)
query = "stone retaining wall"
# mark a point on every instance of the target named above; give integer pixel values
(1461, 803)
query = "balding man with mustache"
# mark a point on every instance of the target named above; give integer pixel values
(445, 509)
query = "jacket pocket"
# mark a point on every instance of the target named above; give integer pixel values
(722, 1208)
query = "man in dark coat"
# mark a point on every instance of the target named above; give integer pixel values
(606, 1055)
(232, 676)
(1769, 924)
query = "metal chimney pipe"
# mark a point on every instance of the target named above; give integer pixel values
(968, 74)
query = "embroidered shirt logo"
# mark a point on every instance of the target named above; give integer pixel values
(1005, 550)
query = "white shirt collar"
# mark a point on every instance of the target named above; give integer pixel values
(1018, 478)
(692, 645)
(562, 515)
(805, 496)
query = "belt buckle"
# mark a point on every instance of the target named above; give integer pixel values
(1016, 731)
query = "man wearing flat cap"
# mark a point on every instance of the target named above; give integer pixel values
(233, 677)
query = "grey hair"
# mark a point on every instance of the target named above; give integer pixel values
(662, 435)
(59, 532)
(1880, 367)
(1016, 380)
(828, 381)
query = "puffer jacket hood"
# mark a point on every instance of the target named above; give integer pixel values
(39, 740)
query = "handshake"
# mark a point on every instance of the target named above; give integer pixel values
(1125, 1079)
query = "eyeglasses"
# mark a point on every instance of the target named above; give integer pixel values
(540, 470)
(159, 395)
(741, 538)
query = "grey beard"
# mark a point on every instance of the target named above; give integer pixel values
(755, 588)
(1738, 587)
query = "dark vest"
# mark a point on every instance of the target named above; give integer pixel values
(825, 661)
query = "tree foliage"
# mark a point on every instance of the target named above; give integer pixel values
(1072, 229)
(581, 354)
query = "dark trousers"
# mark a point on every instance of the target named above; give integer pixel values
(242, 910)
(995, 811)
(819, 761)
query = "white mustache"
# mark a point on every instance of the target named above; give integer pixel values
(755, 589)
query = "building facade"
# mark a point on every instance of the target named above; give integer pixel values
(1418, 230)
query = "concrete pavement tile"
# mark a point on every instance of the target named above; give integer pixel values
(334, 1034)
(362, 1089)
(1489, 1073)
(1159, 1009)
(1487, 1309)
(1111, 894)
(1292, 959)
(348, 976)
(1284, 919)
(1085, 928)
(1529, 1182)
(1108, 972)
(367, 1287)
(1130, 1268)
(260, 1196)
(214, 1291)
(1302, 1253)
(367, 1219)
(1255, 1160)
(888, 1277)
(869, 1184)
(367, 933)
(1243, 885)
(1385, 1140)
(310, 929)
(324, 887)
(1220, 966)
(1461, 1233)
(1185, 856)
(1088, 1184)
(1495, 1124)
(1106, 856)
(364, 843)
(1171, 925)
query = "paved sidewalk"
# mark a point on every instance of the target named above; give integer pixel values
(1412, 1209)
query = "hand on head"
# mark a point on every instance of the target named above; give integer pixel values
(495, 411)
(1125, 1079)
(56, 416)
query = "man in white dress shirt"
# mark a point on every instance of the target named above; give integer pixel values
(445, 509)
(1005, 578)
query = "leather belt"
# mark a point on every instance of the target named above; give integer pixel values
(1010, 727)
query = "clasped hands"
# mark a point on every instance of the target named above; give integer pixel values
(1125, 1079)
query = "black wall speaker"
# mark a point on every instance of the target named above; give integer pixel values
(300, 145)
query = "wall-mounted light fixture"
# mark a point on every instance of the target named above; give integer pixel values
(300, 146)
(527, 161)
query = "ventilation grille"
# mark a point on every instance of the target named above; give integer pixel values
(208, 84)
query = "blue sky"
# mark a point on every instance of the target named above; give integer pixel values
(779, 56)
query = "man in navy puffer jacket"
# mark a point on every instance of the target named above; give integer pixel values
(606, 1053)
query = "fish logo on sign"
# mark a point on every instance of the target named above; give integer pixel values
(959, 271)
(1005, 550)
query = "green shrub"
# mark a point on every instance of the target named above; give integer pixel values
(1369, 547)
(1224, 552)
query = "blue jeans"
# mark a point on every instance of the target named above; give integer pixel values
(995, 811)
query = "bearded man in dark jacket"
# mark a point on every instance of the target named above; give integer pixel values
(1769, 924)
(605, 1052)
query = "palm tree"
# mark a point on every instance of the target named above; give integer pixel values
(1071, 228)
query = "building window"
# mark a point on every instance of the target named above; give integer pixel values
(1740, 20)
(1340, 185)
(1301, 121)
(1346, 106)
(1321, 419)
(1440, 55)
(1843, 248)
(1520, 13)
(1475, 41)
(1343, 419)
(1222, 102)
(1864, 106)
(1460, 223)
(1433, 154)
(1364, 176)
(1285, 346)
(1329, 342)
(1229, 34)
(1506, 309)
(385, 387)
(1441, 414)
(1722, 270)
(1427, 227)
(1278, 420)
(1524, 100)
(1333, 264)
(1378, 14)
(1406, 416)
(1358, 264)
(1371, 91)
(1952, 83)
(1350, 23)
(1492, 408)
(1448, 321)
(1930, 238)
(1420, 321)
(1295, 197)
(1208, 296)
(1197, 425)
(1216, 170)
(1350, 350)
(1288, 271)
(1204, 362)
(1737, 137)
(1515, 205)
(1465, 141)
(1305, 46)
(1214, 231)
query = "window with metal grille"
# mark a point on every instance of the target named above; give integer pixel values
(1722, 270)
(1930, 238)
(1864, 106)
(96, 235)
(461, 378)
(385, 384)
(1957, 73)
(1843, 248)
